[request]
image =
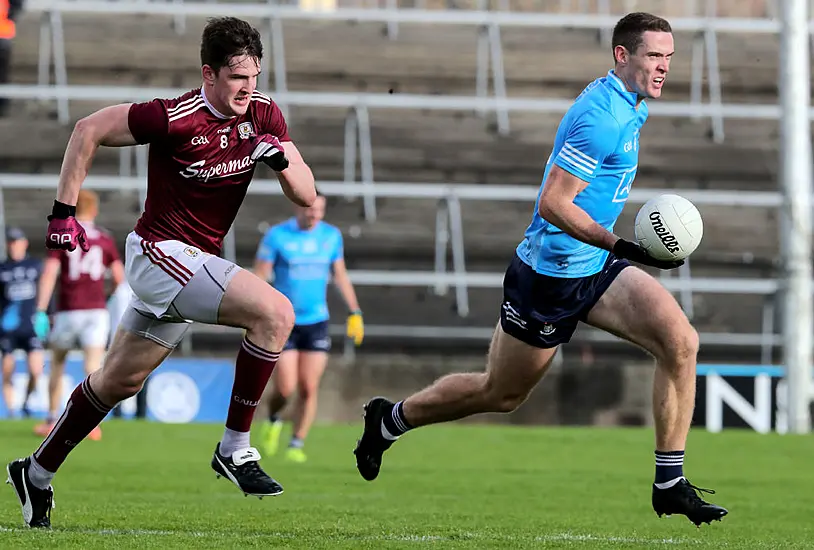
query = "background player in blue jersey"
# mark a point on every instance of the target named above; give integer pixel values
(21, 326)
(303, 252)
(570, 267)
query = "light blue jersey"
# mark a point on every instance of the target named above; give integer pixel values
(598, 142)
(302, 261)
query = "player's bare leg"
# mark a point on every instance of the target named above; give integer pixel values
(513, 369)
(310, 368)
(36, 365)
(93, 362)
(267, 316)
(284, 379)
(8, 388)
(636, 307)
(57, 369)
(58, 357)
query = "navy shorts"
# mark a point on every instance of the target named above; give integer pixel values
(309, 338)
(544, 311)
(23, 339)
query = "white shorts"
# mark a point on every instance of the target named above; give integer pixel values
(157, 272)
(81, 328)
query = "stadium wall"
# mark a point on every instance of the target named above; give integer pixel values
(196, 389)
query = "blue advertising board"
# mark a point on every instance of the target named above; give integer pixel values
(180, 390)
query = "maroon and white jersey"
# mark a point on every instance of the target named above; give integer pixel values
(199, 165)
(81, 283)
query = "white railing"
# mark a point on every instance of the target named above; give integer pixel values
(765, 341)
(449, 235)
(358, 143)
(489, 49)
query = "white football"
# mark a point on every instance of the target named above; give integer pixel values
(669, 227)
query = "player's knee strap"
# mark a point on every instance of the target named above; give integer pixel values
(200, 298)
(146, 325)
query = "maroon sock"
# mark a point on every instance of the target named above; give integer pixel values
(252, 372)
(83, 412)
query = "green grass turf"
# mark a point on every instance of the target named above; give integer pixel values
(148, 485)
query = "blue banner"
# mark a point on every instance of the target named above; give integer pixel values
(179, 391)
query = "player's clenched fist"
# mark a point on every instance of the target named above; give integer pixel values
(64, 232)
(268, 149)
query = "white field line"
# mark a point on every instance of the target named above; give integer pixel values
(557, 537)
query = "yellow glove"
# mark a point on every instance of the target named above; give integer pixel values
(355, 327)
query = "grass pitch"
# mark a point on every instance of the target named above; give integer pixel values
(148, 485)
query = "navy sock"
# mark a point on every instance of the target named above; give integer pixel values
(394, 424)
(274, 418)
(669, 466)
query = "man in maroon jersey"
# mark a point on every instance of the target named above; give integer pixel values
(82, 320)
(204, 147)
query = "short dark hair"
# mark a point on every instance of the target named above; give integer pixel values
(226, 37)
(629, 30)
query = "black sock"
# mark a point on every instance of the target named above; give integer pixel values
(274, 418)
(394, 424)
(669, 466)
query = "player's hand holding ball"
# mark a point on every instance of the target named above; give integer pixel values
(64, 232)
(267, 148)
(668, 229)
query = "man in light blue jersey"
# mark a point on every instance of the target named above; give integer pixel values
(302, 253)
(570, 267)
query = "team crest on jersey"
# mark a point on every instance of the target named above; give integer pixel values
(245, 130)
(309, 247)
(191, 252)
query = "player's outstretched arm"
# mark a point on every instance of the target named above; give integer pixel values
(342, 282)
(265, 255)
(117, 274)
(297, 180)
(557, 207)
(262, 269)
(48, 280)
(108, 127)
(355, 326)
(45, 289)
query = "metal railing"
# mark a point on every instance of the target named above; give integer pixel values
(489, 45)
(449, 237)
(358, 143)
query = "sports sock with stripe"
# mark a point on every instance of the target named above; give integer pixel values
(252, 372)
(669, 468)
(83, 412)
(394, 424)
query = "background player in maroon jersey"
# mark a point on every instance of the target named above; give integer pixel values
(204, 147)
(82, 320)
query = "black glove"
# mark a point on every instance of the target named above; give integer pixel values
(268, 149)
(635, 253)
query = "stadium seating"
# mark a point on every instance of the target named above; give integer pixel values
(434, 146)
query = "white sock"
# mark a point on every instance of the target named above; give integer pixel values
(40, 477)
(233, 441)
(668, 484)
